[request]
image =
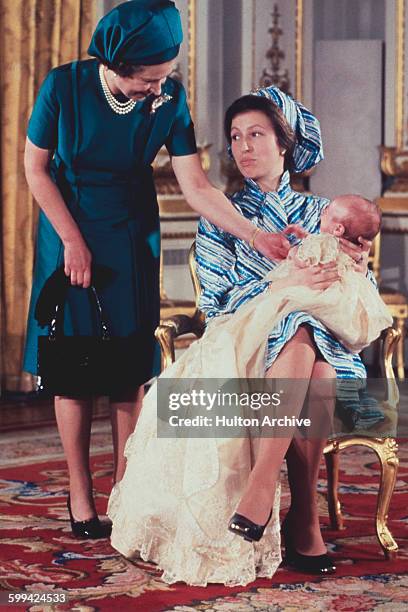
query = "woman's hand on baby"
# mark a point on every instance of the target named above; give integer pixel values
(315, 277)
(273, 246)
(358, 253)
(77, 262)
(276, 246)
(296, 230)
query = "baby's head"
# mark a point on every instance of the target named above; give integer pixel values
(351, 216)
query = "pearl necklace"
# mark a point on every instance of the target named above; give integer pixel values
(121, 108)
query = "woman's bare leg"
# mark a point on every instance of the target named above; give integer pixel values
(124, 415)
(74, 417)
(303, 460)
(295, 361)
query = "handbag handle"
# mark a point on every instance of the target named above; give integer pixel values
(57, 321)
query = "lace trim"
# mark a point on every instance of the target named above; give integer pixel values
(183, 551)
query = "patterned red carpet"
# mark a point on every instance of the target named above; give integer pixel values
(39, 554)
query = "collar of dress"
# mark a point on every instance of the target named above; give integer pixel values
(282, 193)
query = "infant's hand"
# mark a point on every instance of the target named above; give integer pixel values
(294, 259)
(300, 263)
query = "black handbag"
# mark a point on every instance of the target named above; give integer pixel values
(78, 366)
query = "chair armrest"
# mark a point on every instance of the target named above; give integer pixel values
(389, 404)
(173, 327)
(389, 340)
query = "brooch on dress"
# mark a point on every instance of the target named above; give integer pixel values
(157, 102)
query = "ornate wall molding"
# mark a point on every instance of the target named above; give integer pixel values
(295, 26)
(394, 159)
(276, 75)
(263, 25)
(253, 62)
(400, 128)
(395, 81)
(299, 22)
(192, 57)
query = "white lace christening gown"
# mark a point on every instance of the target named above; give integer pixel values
(174, 502)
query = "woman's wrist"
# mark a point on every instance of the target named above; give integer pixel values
(253, 237)
(71, 238)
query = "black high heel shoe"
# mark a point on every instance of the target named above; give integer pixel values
(92, 528)
(312, 564)
(242, 526)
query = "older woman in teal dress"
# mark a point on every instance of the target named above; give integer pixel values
(95, 129)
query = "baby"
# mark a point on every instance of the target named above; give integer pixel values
(347, 216)
(351, 216)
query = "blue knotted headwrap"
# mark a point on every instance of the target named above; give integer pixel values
(308, 149)
(139, 32)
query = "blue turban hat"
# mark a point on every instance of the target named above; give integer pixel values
(308, 149)
(141, 32)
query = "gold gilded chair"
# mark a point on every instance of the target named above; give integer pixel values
(177, 311)
(397, 304)
(385, 448)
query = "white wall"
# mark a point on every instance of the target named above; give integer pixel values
(348, 102)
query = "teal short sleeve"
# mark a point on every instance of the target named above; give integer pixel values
(181, 139)
(43, 125)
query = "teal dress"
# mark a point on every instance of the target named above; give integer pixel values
(102, 167)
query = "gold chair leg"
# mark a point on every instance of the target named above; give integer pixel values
(400, 348)
(386, 451)
(332, 468)
(387, 455)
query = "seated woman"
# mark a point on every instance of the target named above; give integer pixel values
(176, 498)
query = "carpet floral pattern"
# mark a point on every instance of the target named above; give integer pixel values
(39, 554)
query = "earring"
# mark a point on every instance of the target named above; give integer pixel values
(282, 152)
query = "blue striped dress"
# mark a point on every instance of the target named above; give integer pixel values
(231, 272)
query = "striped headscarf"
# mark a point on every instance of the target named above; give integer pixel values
(308, 149)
